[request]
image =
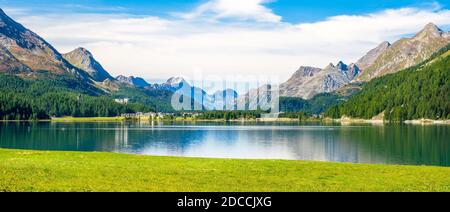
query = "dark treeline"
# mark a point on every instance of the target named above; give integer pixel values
(38, 99)
(301, 116)
(229, 115)
(418, 92)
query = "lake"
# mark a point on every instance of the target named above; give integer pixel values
(391, 144)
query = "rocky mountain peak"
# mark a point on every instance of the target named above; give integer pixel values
(305, 71)
(406, 52)
(368, 59)
(2, 13)
(384, 45)
(430, 27)
(309, 81)
(84, 60)
(3, 16)
(341, 65)
(132, 81)
(330, 66)
(175, 81)
(430, 30)
(83, 51)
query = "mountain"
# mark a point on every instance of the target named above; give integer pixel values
(36, 81)
(404, 53)
(256, 98)
(173, 84)
(199, 97)
(9, 64)
(84, 60)
(227, 93)
(384, 59)
(309, 81)
(31, 50)
(368, 59)
(225, 99)
(421, 91)
(132, 81)
(220, 100)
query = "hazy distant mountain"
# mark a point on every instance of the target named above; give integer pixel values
(225, 99)
(133, 81)
(31, 50)
(256, 98)
(404, 53)
(83, 59)
(199, 97)
(173, 84)
(309, 81)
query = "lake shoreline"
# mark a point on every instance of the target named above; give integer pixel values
(95, 171)
(348, 120)
(344, 120)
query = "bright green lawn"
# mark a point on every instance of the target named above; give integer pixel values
(72, 171)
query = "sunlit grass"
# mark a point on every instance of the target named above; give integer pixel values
(22, 170)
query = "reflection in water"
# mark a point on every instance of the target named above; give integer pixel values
(393, 144)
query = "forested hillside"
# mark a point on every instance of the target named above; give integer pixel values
(422, 91)
(316, 105)
(157, 100)
(40, 99)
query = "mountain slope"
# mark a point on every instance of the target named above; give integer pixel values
(35, 76)
(84, 60)
(367, 60)
(9, 64)
(309, 81)
(385, 58)
(422, 91)
(406, 52)
(31, 50)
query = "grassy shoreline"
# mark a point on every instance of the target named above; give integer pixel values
(24, 170)
(344, 121)
(89, 119)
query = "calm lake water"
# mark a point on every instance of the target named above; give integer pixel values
(393, 144)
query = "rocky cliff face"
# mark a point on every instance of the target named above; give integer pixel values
(404, 53)
(9, 64)
(84, 60)
(31, 50)
(309, 81)
(368, 59)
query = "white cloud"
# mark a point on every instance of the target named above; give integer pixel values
(238, 9)
(158, 48)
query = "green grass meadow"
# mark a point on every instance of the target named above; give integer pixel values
(36, 171)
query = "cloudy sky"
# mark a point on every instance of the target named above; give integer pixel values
(159, 39)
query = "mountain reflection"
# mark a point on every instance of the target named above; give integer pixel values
(391, 144)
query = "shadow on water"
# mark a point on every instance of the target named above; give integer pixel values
(391, 144)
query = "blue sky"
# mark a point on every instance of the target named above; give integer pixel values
(291, 10)
(158, 39)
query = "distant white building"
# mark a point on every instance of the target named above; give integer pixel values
(122, 101)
